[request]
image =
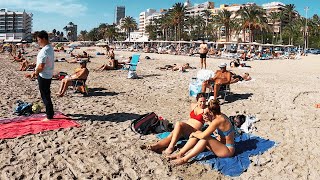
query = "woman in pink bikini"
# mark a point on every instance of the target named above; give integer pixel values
(182, 129)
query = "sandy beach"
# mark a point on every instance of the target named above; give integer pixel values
(282, 95)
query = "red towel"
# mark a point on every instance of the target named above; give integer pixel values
(19, 126)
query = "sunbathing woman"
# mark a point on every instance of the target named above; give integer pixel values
(25, 65)
(18, 58)
(182, 129)
(222, 146)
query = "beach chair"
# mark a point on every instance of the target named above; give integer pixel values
(132, 66)
(81, 87)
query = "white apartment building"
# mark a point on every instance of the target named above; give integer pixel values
(143, 19)
(274, 7)
(198, 9)
(15, 26)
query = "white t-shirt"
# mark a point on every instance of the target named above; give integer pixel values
(46, 56)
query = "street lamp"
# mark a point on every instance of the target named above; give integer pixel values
(306, 30)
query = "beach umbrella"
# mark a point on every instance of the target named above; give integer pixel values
(101, 44)
(74, 44)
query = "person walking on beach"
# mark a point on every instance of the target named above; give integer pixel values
(203, 54)
(44, 71)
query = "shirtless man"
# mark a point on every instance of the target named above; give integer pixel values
(203, 54)
(80, 74)
(222, 77)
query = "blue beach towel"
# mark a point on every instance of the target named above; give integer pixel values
(246, 145)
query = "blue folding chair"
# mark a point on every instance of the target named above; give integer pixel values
(132, 66)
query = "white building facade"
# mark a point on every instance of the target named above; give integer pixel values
(15, 26)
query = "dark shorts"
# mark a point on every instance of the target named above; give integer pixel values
(77, 83)
(238, 77)
(203, 55)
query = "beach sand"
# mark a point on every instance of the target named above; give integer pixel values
(282, 96)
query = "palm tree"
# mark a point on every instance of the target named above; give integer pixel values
(151, 29)
(54, 31)
(110, 32)
(274, 17)
(83, 35)
(223, 20)
(253, 18)
(291, 30)
(165, 26)
(289, 10)
(177, 15)
(129, 25)
(207, 16)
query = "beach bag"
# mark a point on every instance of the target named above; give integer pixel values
(145, 124)
(132, 75)
(163, 126)
(195, 87)
(22, 108)
(237, 120)
(36, 108)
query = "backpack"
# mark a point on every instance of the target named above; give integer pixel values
(237, 120)
(23, 108)
(145, 124)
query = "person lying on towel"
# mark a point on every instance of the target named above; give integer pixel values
(222, 146)
(181, 129)
(80, 74)
(236, 78)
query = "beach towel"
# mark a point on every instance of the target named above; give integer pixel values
(246, 145)
(20, 126)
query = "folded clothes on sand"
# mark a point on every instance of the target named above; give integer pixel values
(19, 126)
(246, 145)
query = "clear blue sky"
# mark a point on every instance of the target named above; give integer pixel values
(87, 14)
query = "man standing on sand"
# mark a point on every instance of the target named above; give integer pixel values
(44, 71)
(203, 54)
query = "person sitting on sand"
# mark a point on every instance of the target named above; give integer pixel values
(181, 129)
(25, 65)
(222, 77)
(18, 58)
(222, 145)
(112, 65)
(80, 74)
(236, 78)
(235, 63)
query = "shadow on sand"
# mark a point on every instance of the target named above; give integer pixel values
(235, 97)
(114, 117)
(101, 92)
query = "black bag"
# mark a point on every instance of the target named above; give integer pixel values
(237, 120)
(145, 124)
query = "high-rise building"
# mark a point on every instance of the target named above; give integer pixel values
(15, 26)
(120, 13)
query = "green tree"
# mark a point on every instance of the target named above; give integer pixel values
(177, 16)
(129, 25)
(223, 20)
(253, 18)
